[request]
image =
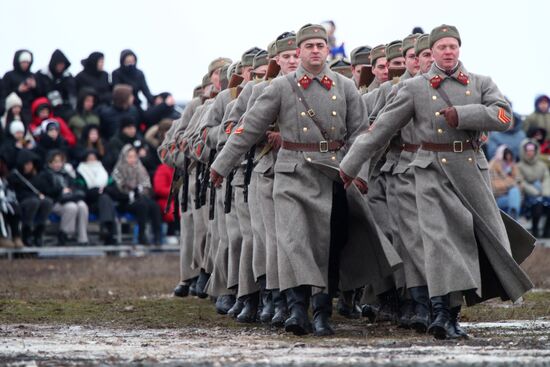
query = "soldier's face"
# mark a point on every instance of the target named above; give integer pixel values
(313, 52)
(446, 52)
(425, 60)
(398, 62)
(380, 70)
(288, 61)
(411, 62)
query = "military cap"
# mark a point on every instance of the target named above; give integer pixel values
(197, 91)
(409, 42)
(422, 43)
(361, 55)
(443, 31)
(248, 56)
(272, 49)
(239, 68)
(218, 63)
(394, 50)
(260, 59)
(206, 80)
(286, 42)
(341, 66)
(224, 72)
(231, 70)
(310, 31)
(376, 53)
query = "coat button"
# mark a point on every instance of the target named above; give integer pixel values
(334, 84)
(308, 159)
(334, 98)
(305, 129)
(437, 113)
(434, 97)
(333, 113)
(468, 92)
(443, 160)
(333, 158)
(333, 128)
(440, 131)
(470, 159)
(303, 114)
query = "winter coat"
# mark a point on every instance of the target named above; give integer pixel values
(132, 76)
(162, 181)
(49, 80)
(97, 80)
(21, 189)
(111, 117)
(533, 170)
(540, 119)
(503, 177)
(36, 121)
(46, 144)
(83, 118)
(13, 79)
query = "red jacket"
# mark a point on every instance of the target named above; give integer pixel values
(162, 180)
(65, 131)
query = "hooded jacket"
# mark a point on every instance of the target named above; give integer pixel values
(539, 119)
(91, 77)
(532, 171)
(49, 80)
(132, 76)
(83, 118)
(36, 121)
(503, 176)
(512, 138)
(13, 79)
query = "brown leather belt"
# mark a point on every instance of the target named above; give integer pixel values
(458, 146)
(407, 147)
(322, 146)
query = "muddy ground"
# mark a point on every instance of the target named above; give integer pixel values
(105, 311)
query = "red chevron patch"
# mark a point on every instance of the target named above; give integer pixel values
(502, 117)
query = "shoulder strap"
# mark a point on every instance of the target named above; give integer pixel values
(309, 110)
(441, 93)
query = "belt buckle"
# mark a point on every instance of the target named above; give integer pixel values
(310, 112)
(460, 144)
(323, 146)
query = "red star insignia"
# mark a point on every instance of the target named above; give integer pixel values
(462, 78)
(290, 42)
(326, 82)
(305, 82)
(436, 81)
(316, 30)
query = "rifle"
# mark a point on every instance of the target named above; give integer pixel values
(273, 69)
(235, 81)
(395, 73)
(366, 77)
(185, 186)
(174, 185)
(228, 193)
(248, 171)
(198, 185)
(205, 177)
(210, 184)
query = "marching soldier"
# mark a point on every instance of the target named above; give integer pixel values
(466, 247)
(359, 57)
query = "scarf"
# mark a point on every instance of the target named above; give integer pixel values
(128, 177)
(94, 174)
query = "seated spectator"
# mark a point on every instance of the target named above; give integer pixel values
(162, 180)
(16, 140)
(505, 180)
(132, 191)
(56, 83)
(90, 140)
(35, 206)
(155, 135)
(85, 114)
(22, 81)
(129, 74)
(127, 135)
(540, 118)
(50, 139)
(121, 109)
(14, 106)
(42, 110)
(10, 213)
(94, 77)
(56, 183)
(539, 135)
(512, 138)
(535, 185)
(93, 179)
(162, 109)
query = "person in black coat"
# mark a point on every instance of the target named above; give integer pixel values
(93, 76)
(121, 109)
(50, 140)
(127, 135)
(22, 81)
(57, 84)
(35, 206)
(128, 73)
(163, 108)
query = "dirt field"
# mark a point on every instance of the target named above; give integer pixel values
(120, 311)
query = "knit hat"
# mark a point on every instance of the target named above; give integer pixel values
(422, 43)
(310, 31)
(394, 50)
(48, 125)
(16, 126)
(443, 31)
(126, 121)
(376, 53)
(409, 42)
(25, 56)
(361, 55)
(13, 100)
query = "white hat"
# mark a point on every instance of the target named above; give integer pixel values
(16, 126)
(25, 56)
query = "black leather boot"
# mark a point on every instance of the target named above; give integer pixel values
(224, 303)
(389, 307)
(250, 311)
(421, 318)
(193, 287)
(346, 305)
(267, 308)
(459, 331)
(441, 327)
(281, 310)
(237, 307)
(298, 303)
(406, 313)
(322, 311)
(369, 312)
(181, 290)
(201, 284)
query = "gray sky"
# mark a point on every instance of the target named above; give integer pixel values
(175, 40)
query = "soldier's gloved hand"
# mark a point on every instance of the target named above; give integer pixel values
(346, 179)
(274, 138)
(451, 116)
(215, 178)
(361, 185)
